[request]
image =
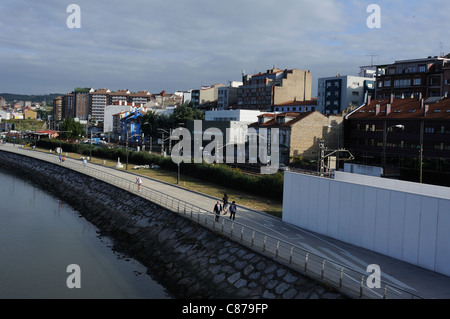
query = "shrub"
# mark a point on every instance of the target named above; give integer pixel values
(270, 186)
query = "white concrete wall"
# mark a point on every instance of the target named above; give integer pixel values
(405, 225)
(417, 188)
(363, 169)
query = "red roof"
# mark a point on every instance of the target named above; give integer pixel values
(404, 109)
(297, 116)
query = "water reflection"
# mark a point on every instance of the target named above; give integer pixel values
(40, 236)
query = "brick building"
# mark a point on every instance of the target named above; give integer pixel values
(57, 108)
(263, 91)
(301, 132)
(401, 132)
(429, 77)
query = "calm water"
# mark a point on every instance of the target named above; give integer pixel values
(41, 236)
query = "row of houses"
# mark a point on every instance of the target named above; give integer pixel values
(383, 115)
(269, 91)
(90, 104)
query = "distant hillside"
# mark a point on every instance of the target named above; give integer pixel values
(33, 98)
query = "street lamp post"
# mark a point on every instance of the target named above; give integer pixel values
(163, 140)
(126, 149)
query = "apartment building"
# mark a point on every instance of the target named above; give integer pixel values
(119, 96)
(57, 108)
(337, 93)
(264, 90)
(141, 97)
(99, 100)
(429, 77)
(227, 95)
(67, 106)
(207, 96)
(81, 103)
(394, 132)
(296, 106)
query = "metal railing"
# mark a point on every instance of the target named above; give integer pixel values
(350, 282)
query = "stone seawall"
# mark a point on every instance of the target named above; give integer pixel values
(189, 260)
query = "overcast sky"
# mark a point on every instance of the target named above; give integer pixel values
(175, 45)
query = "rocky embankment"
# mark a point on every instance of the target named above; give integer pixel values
(188, 259)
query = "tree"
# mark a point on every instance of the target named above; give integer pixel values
(151, 122)
(185, 112)
(72, 129)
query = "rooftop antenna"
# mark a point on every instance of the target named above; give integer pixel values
(441, 54)
(371, 58)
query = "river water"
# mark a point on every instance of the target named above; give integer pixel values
(40, 236)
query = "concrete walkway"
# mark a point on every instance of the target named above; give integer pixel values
(422, 282)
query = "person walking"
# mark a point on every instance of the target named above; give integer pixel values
(233, 210)
(217, 209)
(225, 203)
(139, 183)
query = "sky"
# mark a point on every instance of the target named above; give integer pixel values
(177, 45)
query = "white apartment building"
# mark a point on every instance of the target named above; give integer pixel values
(99, 100)
(227, 95)
(337, 93)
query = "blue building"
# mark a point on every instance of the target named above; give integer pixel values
(131, 127)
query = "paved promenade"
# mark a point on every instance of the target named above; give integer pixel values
(419, 281)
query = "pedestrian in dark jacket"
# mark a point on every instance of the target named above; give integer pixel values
(233, 210)
(225, 203)
(217, 209)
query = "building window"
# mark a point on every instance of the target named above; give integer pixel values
(417, 81)
(387, 83)
(422, 68)
(434, 81)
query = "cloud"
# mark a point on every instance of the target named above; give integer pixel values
(176, 45)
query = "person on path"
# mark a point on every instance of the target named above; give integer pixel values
(217, 209)
(233, 210)
(139, 183)
(225, 203)
(84, 162)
